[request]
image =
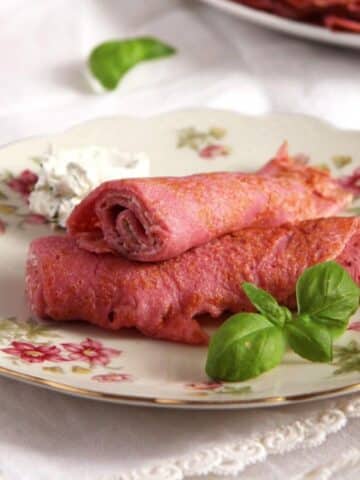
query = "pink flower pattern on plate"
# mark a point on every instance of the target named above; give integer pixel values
(34, 353)
(112, 377)
(211, 151)
(355, 326)
(35, 219)
(204, 385)
(352, 182)
(23, 183)
(90, 351)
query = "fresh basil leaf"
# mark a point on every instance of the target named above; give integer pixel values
(266, 304)
(245, 346)
(328, 294)
(110, 61)
(309, 339)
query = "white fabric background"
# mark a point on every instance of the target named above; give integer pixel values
(221, 62)
(49, 436)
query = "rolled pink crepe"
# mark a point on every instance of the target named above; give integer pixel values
(159, 218)
(163, 300)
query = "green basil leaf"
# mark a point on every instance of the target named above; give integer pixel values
(110, 61)
(245, 346)
(266, 304)
(309, 339)
(328, 294)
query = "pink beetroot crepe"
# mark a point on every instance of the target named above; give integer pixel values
(159, 218)
(161, 300)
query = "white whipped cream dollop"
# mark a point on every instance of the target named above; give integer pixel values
(67, 175)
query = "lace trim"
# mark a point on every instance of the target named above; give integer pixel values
(346, 461)
(234, 458)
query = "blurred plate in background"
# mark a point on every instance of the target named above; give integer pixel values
(268, 20)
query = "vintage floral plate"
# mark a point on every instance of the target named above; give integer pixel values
(290, 27)
(126, 367)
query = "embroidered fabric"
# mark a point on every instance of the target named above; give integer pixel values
(348, 460)
(231, 459)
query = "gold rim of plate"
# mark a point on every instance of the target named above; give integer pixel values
(168, 402)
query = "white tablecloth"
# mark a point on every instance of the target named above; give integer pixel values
(221, 62)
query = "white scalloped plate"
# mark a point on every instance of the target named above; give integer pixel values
(297, 29)
(138, 370)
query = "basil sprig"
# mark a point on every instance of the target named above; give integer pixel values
(248, 344)
(110, 61)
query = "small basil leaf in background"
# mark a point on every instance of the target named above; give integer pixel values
(328, 294)
(266, 304)
(309, 339)
(245, 346)
(110, 61)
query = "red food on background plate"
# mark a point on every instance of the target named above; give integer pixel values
(155, 219)
(334, 14)
(163, 300)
